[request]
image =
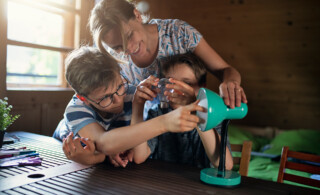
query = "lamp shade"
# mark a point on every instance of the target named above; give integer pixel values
(216, 110)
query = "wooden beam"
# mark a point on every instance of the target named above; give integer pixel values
(85, 35)
(38, 46)
(44, 5)
(3, 47)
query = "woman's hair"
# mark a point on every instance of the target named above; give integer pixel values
(89, 69)
(195, 63)
(108, 14)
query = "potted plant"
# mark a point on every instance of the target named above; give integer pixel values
(6, 119)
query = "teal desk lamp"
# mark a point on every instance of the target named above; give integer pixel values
(217, 112)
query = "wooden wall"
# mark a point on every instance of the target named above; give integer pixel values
(40, 111)
(274, 45)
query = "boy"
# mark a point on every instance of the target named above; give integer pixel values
(101, 110)
(197, 148)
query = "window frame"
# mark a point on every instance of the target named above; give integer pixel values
(79, 10)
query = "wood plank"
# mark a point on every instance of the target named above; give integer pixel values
(304, 156)
(245, 158)
(236, 147)
(303, 167)
(302, 180)
(51, 114)
(236, 160)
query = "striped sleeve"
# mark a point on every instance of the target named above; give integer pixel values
(78, 115)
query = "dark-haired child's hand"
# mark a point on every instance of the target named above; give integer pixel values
(145, 91)
(122, 159)
(180, 94)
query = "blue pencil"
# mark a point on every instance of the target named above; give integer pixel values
(18, 157)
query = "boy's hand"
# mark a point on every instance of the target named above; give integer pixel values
(73, 150)
(144, 90)
(121, 159)
(182, 94)
(182, 119)
(232, 94)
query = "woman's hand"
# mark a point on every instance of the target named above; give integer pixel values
(73, 150)
(180, 94)
(182, 119)
(232, 94)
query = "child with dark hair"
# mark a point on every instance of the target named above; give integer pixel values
(195, 147)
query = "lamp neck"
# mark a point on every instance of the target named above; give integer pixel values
(237, 112)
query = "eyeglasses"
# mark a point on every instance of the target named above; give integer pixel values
(108, 99)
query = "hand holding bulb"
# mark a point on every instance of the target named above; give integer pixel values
(164, 102)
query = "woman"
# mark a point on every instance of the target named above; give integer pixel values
(119, 29)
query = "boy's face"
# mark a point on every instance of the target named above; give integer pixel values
(183, 72)
(101, 94)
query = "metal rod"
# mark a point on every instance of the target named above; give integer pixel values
(223, 145)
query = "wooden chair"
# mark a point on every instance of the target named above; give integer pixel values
(299, 166)
(244, 160)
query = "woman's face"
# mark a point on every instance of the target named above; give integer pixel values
(137, 43)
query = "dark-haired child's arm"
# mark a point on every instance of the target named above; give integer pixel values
(143, 92)
(121, 159)
(211, 142)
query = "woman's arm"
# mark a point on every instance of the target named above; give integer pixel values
(230, 88)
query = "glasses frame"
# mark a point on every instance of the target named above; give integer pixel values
(125, 84)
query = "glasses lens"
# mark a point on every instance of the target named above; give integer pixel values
(122, 89)
(106, 101)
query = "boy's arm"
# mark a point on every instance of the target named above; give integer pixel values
(211, 142)
(73, 150)
(124, 138)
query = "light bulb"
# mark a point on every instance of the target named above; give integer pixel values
(164, 102)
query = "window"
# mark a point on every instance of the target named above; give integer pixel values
(38, 35)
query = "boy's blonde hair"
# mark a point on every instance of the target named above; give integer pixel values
(108, 14)
(89, 69)
(195, 63)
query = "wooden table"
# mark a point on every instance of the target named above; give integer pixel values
(57, 175)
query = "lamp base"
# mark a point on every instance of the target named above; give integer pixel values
(228, 179)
